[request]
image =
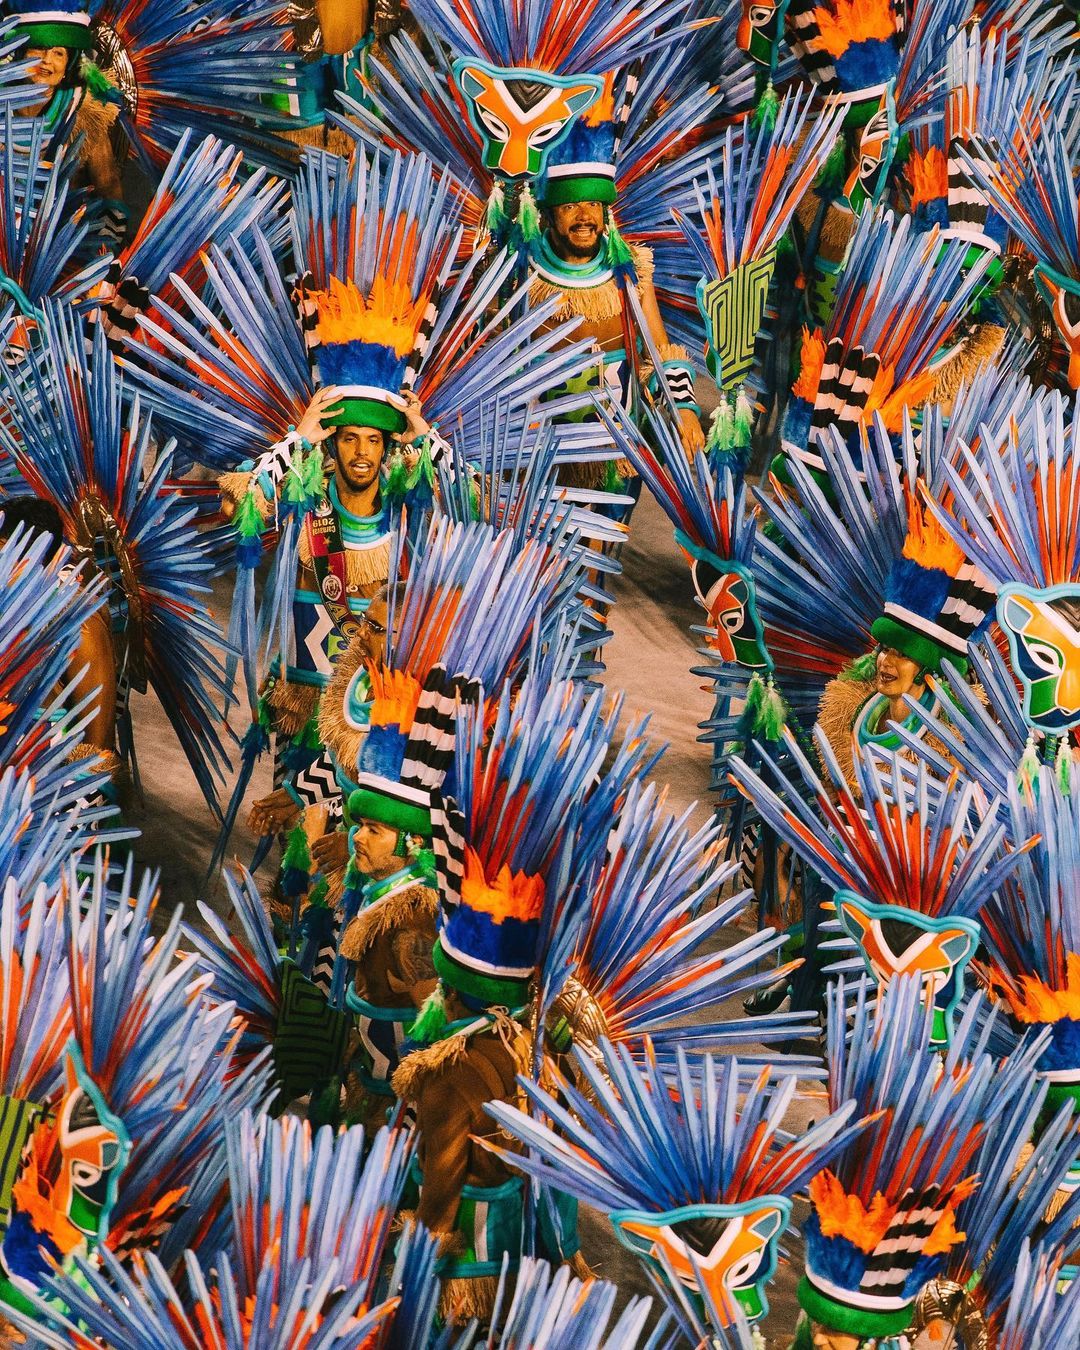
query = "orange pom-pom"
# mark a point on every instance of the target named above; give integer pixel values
(811, 359)
(509, 896)
(845, 22)
(928, 176)
(843, 1215)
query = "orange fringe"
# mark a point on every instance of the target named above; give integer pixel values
(811, 359)
(927, 543)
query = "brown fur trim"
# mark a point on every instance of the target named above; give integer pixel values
(335, 886)
(465, 1299)
(94, 121)
(393, 911)
(592, 473)
(322, 137)
(341, 739)
(363, 567)
(293, 706)
(836, 231)
(963, 363)
(431, 1059)
(840, 705)
(233, 487)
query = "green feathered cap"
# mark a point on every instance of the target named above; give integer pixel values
(366, 412)
(388, 804)
(56, 25)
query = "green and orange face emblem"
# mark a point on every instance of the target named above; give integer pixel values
(866, 182)
(726, 1251)
(758, 28)
(519, 113)
(1043, 628)
(894, 940)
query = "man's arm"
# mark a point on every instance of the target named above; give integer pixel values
(677, 369)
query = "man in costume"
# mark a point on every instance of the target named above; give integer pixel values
(581, 256)
(344, 558)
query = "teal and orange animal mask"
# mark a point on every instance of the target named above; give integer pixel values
(519, 113)
(1043, 628)
(894, 940)
(731, 1249)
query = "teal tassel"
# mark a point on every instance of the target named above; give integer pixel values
(863, 668)
(613, 481)
(619, 257)
(296, 864)
(743, 420)
(768, 106)
(495, 218)
(432, 1020)
(98, 83)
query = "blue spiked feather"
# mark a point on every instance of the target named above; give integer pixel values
(42, 222)
(551, 1310)
(1040, 1315)
(638, 1140)
(893, 838)
(647, 920)
(208, 71)
(43, 605)
(202, 197)
(928, 1125)
(76, 449)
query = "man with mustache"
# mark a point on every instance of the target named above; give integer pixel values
(581, 257)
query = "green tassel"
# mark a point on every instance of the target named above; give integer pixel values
(743, 419)
(424, 860)
(785, 248)
(833, 172)
(863, 668)
(768, 106)
(618, 252)
(318, 893)
(324, 1105)
(97, 82)
(1063, 765)
(432, 1019)
(528, 216)
(247, 521)
(423, 470)
(1028, 771)
(314, 474)
(495, 218)
(474, 497)
(613, 481)
(295, 491)
(297, 854)
(397, 480)
(772, 715)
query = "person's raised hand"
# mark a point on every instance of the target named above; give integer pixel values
(315, 426)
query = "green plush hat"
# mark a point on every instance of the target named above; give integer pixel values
(581, 167)
(61, 24)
